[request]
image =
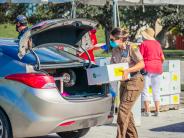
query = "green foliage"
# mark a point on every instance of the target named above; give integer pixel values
(134, 17)
(8, 12)
(50, 11)
(131, 16)
(173, 17)
(103, 14)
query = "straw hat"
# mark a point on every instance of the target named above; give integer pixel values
(148, 34)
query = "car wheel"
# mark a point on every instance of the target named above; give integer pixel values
(5, 129)
(69, 78)
(74, 134)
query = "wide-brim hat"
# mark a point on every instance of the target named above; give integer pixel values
(148, 34)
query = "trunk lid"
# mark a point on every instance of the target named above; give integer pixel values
(61, 31)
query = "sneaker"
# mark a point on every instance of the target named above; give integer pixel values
(156, 114)
(146, 114)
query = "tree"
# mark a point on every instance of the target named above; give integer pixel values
(8, 12)
(173, 17)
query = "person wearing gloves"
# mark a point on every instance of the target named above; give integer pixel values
(130, 88)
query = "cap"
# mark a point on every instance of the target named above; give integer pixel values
(21, 19)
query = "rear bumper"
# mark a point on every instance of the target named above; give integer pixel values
(40, 112)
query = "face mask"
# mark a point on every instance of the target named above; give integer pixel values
(113, 44)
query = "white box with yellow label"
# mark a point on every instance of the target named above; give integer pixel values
(165, 83)
(165, 66)
(175, 83)
(174, 65)
(106, 74)
(165, 100)
(175, 99)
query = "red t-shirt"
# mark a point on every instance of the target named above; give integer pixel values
(152, 53)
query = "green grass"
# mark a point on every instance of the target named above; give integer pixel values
(8, 31)
(100, 35)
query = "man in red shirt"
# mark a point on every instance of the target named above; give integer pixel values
(153, 58)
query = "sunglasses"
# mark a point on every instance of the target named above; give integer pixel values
(118, 38)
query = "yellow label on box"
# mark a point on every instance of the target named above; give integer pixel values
(150, 91)
(174, 77)
(118, 71)
(175, 99)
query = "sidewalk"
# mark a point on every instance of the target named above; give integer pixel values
(169, 124)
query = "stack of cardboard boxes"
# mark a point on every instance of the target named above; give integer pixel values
(170, 85)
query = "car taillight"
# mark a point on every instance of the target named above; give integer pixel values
(67, 123)
(34, 80)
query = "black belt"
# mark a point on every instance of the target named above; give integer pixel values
(133, 74)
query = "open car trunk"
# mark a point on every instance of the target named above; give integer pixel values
(73, 83)
(64, 39)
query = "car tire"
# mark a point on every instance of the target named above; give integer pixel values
(5, 128)
(70, 74)
(74, 134)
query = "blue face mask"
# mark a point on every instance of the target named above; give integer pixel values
(113, 44)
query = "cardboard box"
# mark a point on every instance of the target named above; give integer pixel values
(150, 91)
(102, 61)
(106, 74)
(166, 66)
(174, 65)
(165, 83)
(164, 100)
(175, 83)
(175, 99)
(171, 65)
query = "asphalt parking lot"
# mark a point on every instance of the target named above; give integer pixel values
(169, 124)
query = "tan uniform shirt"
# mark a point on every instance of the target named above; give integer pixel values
(131, 55)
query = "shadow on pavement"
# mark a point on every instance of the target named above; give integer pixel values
(178, 127)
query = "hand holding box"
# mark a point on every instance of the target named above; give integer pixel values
(106, 74)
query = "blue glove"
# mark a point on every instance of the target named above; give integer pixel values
(113, 93)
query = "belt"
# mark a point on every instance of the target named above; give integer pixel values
(133, 74)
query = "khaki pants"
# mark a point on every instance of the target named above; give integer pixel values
(129, 92)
